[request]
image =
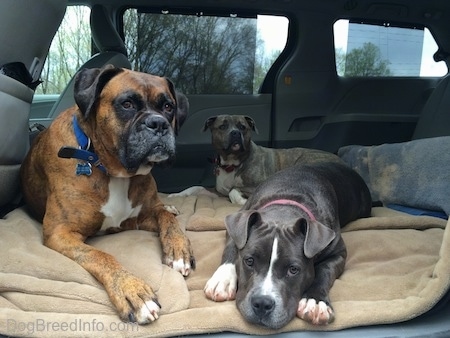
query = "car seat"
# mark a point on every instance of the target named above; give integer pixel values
(15, 94)
(435, 117)
(111, 48)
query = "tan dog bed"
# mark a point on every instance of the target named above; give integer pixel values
(398, 267)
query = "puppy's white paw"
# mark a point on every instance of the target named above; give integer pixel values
(222, 285)
(236, 197)
(315, 312)
(148, 313)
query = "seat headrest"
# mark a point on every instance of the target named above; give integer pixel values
(104, 34)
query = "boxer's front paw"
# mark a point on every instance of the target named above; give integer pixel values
(222, 285)
(178, 254)
(315, 312)
(149, 312)
(181, 265)
(172, 209)
(134, 299)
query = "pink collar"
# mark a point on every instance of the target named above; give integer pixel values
(291, 202)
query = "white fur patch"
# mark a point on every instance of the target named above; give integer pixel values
(118, 207)
(225, 181)
(172, 209)
(267, 286)
(144, 169)
(222, 285)
(180, 266)
(315, 312)
(236, 197)
(148, 313)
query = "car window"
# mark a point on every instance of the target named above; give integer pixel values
(70, 48)
(205, 53)
(364, 49)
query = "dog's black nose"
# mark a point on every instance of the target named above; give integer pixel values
(235, 133)
(263, 305)
(157, 124)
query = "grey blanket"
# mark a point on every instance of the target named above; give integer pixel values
(414, 174)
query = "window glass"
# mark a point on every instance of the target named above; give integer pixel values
(205, 54)
(70, 48)
(384, 50)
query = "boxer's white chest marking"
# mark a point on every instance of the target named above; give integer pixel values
(268, 286)
(118, 207)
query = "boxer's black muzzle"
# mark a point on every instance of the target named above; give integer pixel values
(151, 140)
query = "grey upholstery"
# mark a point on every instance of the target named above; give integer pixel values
(44, 17)
(105, 36)
(112, 51)
(435, 118)
(15, 100)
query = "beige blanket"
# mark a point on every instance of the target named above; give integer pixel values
(398, 267)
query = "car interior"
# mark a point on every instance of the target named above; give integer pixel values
(386, 114)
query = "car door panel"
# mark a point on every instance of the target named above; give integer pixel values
(349, 111)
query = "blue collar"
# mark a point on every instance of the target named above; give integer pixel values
(83, 141)
(83, 152)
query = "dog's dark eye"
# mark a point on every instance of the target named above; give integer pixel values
(292, 271)
(223, 127)
(249, 261)
(242, 127)
(168, 107)
(127, 104)
(168, 110)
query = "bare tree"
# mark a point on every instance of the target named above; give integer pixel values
(340, 61)
(70, 48)
(200, 54)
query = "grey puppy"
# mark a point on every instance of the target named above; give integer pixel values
(284, 247)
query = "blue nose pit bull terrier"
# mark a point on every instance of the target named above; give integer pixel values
(284, 248)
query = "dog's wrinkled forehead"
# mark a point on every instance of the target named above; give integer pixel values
(151, 89)
(229, 122)
(96, 85)
(269, 229)
(233, 121)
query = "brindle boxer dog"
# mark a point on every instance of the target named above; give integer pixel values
(90, 171)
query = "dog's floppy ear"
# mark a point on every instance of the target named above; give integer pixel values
(182, 106)
(89, 84)
(182, 109)
(209, 122)
(251, 123)
(239, 225)
(317, 236)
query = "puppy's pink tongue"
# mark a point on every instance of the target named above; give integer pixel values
(235, 147)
